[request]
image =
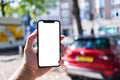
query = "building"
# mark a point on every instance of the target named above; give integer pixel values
(97, 12)
(63, 13)
(66, 17)
(101, 13)
(102, 9)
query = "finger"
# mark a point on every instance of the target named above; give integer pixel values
(61, 62)
(62, 47)
(61, 54)
(62, 37)
(35, 50)
(30, 40)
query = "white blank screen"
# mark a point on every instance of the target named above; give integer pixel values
(49, 44)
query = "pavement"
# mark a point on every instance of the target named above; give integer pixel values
(10, 61)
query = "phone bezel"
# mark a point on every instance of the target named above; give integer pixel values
(48, 21)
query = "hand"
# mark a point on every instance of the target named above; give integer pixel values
(30, 57)
(29, 63)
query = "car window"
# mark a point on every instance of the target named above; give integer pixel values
(97, 43)
(117, 40)
(102, 43)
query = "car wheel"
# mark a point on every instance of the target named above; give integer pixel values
(108, 78)
(117, 76)
(74, 77)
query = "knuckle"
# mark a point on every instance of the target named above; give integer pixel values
(29, 38)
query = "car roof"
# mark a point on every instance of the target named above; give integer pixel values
(90, 37)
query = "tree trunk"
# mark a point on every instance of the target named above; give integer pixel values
(2, 8)
(76, 13)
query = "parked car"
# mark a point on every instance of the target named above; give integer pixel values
(92, 57)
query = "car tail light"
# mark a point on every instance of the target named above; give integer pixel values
(105, 57)
(68, 52)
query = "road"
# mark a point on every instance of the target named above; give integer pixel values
(10, 61)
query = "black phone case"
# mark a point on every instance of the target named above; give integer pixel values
(48, 21)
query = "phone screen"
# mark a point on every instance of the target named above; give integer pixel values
(48, 43)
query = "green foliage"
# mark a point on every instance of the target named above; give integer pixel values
(32, 7)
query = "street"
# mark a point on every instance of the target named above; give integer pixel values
(10, 61)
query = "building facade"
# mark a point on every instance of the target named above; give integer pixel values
(63, 13)
(102, 9)
(102, 13)
(90, 10)
(66, 17)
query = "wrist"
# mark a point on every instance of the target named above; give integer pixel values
(28, 71)
(22, 73)
(31, 70)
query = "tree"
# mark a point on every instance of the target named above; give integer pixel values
(2, 7)
(33, 7)
(76, 13)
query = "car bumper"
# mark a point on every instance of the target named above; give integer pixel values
(72, 70)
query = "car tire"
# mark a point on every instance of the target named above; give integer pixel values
(116, 77)
(108, 78)
(74, 77)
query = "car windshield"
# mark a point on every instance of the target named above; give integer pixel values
(98, 43)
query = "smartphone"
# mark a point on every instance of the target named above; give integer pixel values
(48, 43)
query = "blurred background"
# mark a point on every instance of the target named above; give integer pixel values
(18, 19)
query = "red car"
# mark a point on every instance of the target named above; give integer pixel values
(92, 57)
